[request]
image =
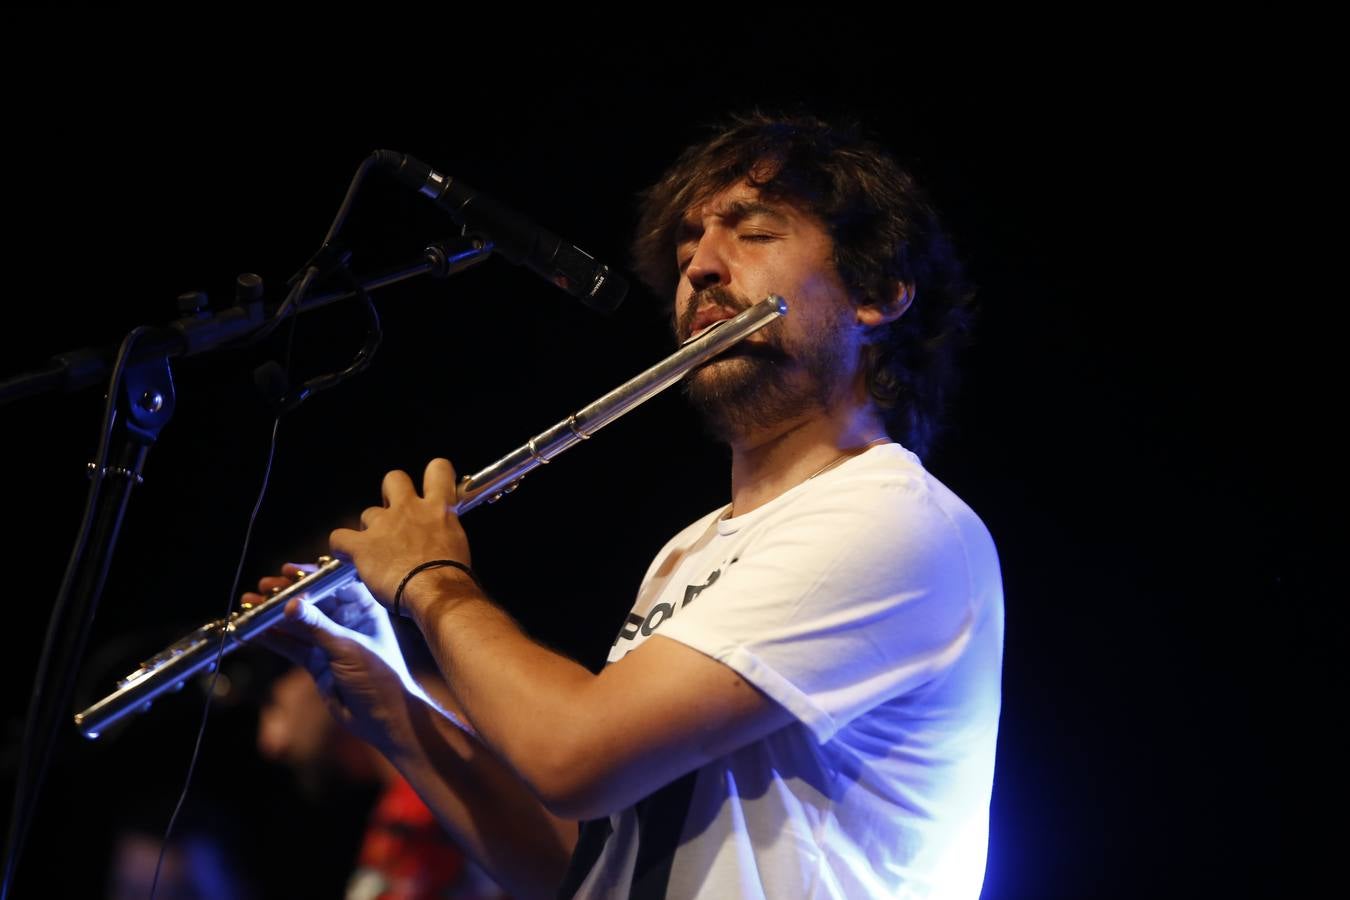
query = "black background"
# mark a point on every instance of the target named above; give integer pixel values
(1133, 425)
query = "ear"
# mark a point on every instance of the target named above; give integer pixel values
(871, 315)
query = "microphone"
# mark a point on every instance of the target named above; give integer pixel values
(512, 235)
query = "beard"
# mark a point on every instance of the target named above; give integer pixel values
(756, 386)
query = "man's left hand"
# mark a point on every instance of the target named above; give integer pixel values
(406, 531)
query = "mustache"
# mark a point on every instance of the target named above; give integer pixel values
(718, 296)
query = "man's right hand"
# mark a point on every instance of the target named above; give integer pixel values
(353, 656)
(350, 650)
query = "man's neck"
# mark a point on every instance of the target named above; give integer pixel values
(768, 463)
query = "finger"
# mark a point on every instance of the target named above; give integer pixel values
(354, 596)
(354, 607)
(296, 570)
(252, 599)
(295, 632)
(343, 542)
(316, 626)
(370, 514)
(269, 583)
(357, 593)
(438, 482)
(290, 574)
(296, 652)
(397, 487)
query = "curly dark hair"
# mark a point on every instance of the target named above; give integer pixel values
(884, 231)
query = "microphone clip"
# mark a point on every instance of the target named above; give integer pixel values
(327, 259)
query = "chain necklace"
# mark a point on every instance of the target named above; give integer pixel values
(847, 454)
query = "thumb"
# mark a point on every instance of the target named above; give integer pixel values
(320, 629)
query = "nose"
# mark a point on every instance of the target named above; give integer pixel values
(709, 265)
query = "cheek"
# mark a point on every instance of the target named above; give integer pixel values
(683, 291)
(817, 303)
(682, 295)
(679, 313)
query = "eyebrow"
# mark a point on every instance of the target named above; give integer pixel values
(744, 209)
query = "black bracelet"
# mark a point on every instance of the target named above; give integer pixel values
(422, 567)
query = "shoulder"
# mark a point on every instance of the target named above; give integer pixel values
(884, 502)
(850, 589)
(879, 532)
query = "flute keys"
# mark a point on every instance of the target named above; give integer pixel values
(504, 491)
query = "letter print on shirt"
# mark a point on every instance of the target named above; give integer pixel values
(638, 624)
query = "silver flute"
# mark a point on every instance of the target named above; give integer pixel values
(202, 649)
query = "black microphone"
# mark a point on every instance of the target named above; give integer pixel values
(512, 235)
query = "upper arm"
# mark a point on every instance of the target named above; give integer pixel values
(862, 597)
(663, 710)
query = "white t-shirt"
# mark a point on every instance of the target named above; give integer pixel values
(868, 602)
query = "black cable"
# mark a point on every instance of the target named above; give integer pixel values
(300, 285)
(361, 362)
(220, 653)
(224, 635)
(300, 282)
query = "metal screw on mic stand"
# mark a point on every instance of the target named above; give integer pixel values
(194, 303)
(248, 288)
(448, 257)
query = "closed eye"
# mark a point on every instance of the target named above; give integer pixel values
(684, 254)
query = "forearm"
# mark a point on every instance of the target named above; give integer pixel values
(484, 806)
(525, 701)
(587, 745)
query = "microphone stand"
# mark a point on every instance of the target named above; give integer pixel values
(140, 404)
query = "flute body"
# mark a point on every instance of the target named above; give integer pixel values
(202, 649)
